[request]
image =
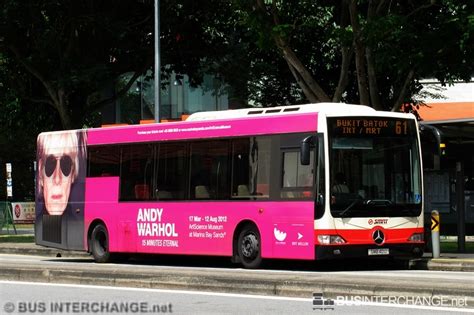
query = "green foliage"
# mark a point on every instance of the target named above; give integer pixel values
(429, 38)
(79, 49)
(11, 238)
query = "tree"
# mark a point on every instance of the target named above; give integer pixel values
(382, 46)
(67, 53)
(67, 50)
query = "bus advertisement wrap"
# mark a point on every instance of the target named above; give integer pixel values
(315, 181)
(61, 159)
(200, 130)
(205, 228)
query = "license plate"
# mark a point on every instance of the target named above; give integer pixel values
(378, 251)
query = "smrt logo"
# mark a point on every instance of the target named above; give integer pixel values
(378, 221)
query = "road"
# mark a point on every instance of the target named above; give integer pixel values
(29, 298)
(217, 299)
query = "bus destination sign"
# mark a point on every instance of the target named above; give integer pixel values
(376, 126)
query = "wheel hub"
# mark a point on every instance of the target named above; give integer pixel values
(250, 246)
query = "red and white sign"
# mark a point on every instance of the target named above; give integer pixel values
(23, 212)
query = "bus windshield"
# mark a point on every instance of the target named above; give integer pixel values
(374, 167)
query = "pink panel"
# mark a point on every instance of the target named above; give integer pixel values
(204, 228)
(205, 129)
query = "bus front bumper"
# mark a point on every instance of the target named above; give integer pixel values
(369, 251)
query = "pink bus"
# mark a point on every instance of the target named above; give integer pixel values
(316, 181)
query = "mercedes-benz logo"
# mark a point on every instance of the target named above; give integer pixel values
(378, 237)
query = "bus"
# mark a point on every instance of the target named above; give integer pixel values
(305, 182)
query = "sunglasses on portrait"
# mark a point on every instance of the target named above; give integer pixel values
(65, 163)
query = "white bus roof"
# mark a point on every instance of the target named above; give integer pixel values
(327, 108)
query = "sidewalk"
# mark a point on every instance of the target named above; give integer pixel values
(447, 261)
(20, 230)
(35, 250)
(285, 283)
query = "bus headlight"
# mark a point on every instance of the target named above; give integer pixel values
(416, 237)
(330, 239)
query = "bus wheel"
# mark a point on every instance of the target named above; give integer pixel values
(248, 247)
(99, 244)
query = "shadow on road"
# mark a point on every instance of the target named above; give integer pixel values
(224, 262)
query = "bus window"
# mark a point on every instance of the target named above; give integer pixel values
(250, 167)
(381, 166)
(136, 181)
(297, 179)
(171, 179)
(210, 170)
(104, 161)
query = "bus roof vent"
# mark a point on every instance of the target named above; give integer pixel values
(254, 112)
(291, 109)
(270, 111)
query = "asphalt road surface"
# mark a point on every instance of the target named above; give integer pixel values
(37, 298)
(47, 298)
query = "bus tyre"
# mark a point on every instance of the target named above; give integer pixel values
(99, 244)
(249, 247)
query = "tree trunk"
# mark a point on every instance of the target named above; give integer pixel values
(311, 89)
(373, 86)
(363, 86)
(58, 97)
(400, 95)
(346, 53)
(306, 90)
(346, 57)
(62, 107)
(302, 72)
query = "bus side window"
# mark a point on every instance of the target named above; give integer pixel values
(263, 190)
(243, 191)
(250, 167)
(201, 192)
(210, 167)
(297, 179)
(172, 171)
(104, 161)
(142, 192)
(137, 172)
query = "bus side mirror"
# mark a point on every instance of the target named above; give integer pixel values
(432, 148)
(305, 149)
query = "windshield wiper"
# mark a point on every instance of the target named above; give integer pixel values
(409, 208)
(387, 203)
(379, 202)
(349, 207)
